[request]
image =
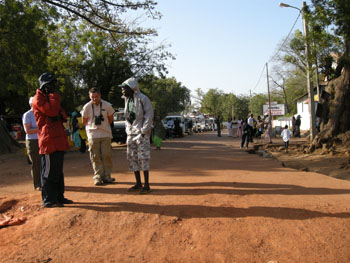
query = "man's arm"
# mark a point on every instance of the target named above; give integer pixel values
(28, 129)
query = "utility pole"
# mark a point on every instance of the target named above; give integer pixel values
(308, 68)
(268, 91)
(250, 101)
(309, 87)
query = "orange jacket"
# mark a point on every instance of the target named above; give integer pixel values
(49, 117)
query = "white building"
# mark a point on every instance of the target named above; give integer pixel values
(303, 111)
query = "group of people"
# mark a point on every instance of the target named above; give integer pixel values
(46, 137)
(249, 128)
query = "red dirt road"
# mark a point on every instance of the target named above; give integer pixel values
(211, 202)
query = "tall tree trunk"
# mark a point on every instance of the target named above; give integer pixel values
(7, 143)
(335, 111)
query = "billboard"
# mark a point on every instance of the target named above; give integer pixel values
(276, 109)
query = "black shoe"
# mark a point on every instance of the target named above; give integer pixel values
(66, 201)
(50, 205)
(135, 188)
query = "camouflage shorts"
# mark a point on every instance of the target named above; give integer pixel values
(138, 152)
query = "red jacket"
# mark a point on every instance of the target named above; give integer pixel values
(52, 135)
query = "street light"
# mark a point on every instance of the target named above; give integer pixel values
(309, 88)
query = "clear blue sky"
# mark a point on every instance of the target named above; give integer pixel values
(223, 44)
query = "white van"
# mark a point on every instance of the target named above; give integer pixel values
(200, 122)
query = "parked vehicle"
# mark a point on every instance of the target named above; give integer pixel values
(118, 131)
(181, 120)
(212, 124)
(200, 123)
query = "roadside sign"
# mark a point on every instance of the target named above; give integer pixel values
(276, 109)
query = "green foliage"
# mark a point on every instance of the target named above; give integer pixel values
(257, 102)
(167, 95)
(216, 103)
(22, 51)
(93, 48)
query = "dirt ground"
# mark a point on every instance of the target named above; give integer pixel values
(211, 202)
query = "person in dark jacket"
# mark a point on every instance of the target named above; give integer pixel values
(246, 133)
(52, 140)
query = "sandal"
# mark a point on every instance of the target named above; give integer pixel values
(135, 188)
(145, 190)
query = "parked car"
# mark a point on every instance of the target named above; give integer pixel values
(118, 131)
(200, 123)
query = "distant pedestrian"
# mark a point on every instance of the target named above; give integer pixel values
(234, 127)
(52, 139)
(268, 128)
(74, 123)
(293, 125)
(229, 127)
(246, 132)
(297, 126)
(82, 135)
(31, 130)
(139, 118)
(97, 117)
(218, 123)
(285, 134)
(239, 131)
(250, 122)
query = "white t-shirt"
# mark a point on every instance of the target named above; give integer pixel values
(103, 130)
(285, 134)
(229, 125)
(251, 121)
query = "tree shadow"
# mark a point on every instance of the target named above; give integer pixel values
(200, 211)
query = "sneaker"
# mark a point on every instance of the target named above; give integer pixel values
(97, 182)
(145, 190)
(66, 201)
(38, 188)
(135, 188)
(50, 205)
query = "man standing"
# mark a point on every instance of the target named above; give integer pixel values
(250, 127)
(97, 118)
(139, 118)
(31, 129)
(52, 139)
(218, 124)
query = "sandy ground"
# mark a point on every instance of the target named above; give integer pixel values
(211, 202)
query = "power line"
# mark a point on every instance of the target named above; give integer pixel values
(285, 40)
(262, 72)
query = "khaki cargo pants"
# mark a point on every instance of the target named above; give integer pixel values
(101, 157)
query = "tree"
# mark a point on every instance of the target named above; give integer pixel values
(212, 103)
(166, 94)
(105, 15)
(336, 109)
(257, 102)
(23, 50)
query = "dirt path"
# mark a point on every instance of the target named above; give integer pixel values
(211, 202)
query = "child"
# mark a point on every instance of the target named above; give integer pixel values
(286, 136)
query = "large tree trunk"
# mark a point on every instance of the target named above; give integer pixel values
(335, 111)
(7, 143)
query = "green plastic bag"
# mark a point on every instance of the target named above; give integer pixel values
(157, 141)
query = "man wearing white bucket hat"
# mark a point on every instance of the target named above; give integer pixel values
(139, 118)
